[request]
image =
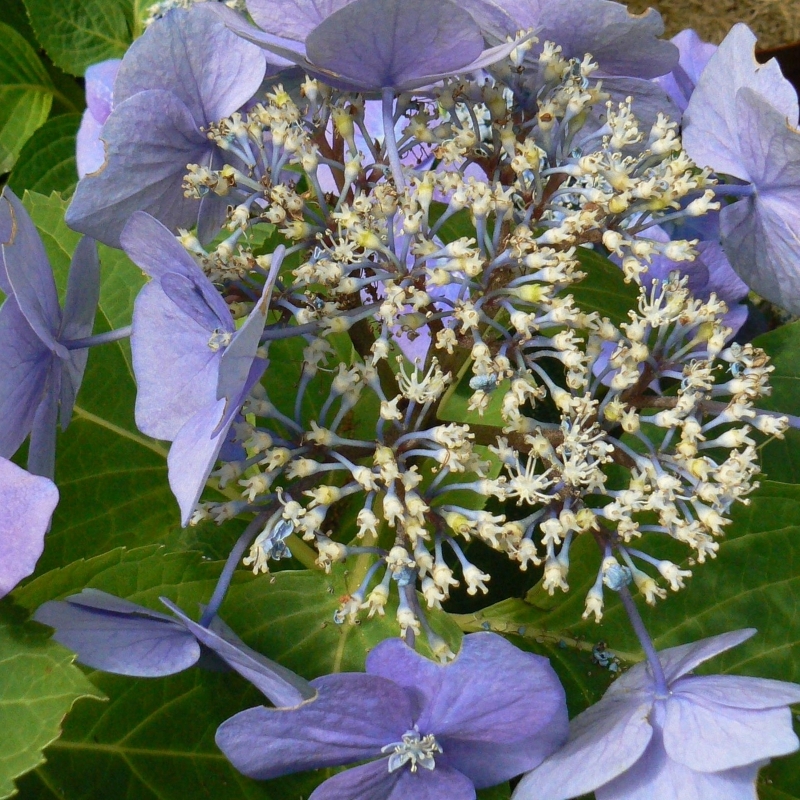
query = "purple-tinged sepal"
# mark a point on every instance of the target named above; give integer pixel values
(705, 739)
(372, 45)
(426, 730)
(694, 56)
(41, 360)
(740, 122)
(90, 151)
(27, 503)
(187, 71)
(116, 635)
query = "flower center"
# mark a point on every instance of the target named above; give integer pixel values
(219, 339)
(419, 750)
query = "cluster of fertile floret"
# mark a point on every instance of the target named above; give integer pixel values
(662, 396)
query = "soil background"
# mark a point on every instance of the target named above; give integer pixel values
(775, 22)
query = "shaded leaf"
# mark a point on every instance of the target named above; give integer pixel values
(454, 405)
(780, 459)
(69, 96)
(502, 792)
(26, 94)
(154, 740)
(290, 617)
(603, 289)
(47, 162)
(454, 227)
(78, 33)
(16, 16)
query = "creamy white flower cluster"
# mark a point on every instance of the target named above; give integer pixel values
(579, 425)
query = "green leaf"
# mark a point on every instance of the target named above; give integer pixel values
(780, 459)
(290, 617)
(78, 33)
(603, 289)
(754, 581)
(502, 792)
(457, 226)
(47, 162)
(287, 616)
(779, 780)
(154, 740)
(141, 574)
(38, 686)
(16, 16)
(26, 94)
(454, 406)
(69, 96)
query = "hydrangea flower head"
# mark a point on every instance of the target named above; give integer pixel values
(625, 48)
(41, 368)
(705, 739)
(26, 504)
(426, 730)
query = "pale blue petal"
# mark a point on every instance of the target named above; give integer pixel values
(283, 51)
(373, 781)
(620, 42)
(712, 123)
(80, 308)
(25, 362)
(604, 741)
(739, 691)
(237, 360)
(150, 138)
(192, 55)
(176, 371)
(497, 710)
(42, 445)
(710, 737)
(678, 661)
(280, 685)
(657, 777)
(198, 444)
(761, 233)
(114, 635)
(393, 43)
(352, 717)
(99, 80)
(30, 276)
(90, 152)
(27, 503)
(292, 19)
(694, 55)
(192, 456)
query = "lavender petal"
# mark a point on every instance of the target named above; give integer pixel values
(351, 719)
(27, 503)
